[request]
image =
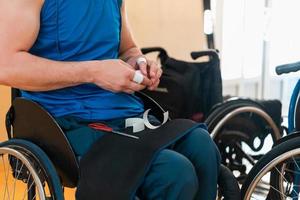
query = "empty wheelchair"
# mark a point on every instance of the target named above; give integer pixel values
(37, 161)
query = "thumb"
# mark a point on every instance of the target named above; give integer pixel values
(143, 68)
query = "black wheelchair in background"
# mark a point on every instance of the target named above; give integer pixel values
(37, 161)
(238, 126)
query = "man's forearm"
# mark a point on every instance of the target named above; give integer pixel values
(130, 52)
(28, 72)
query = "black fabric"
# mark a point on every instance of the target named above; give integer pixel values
(188, 89)
(273, 108)
(115, 166)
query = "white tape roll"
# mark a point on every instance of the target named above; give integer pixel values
(136, 123)
(138, 77)
(149, 125)
(139, 124)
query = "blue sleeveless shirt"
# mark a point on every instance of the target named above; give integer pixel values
(82, 30)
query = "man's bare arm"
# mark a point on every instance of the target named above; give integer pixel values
(19, 27)
(18, 30)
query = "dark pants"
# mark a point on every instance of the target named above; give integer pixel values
(187, 171)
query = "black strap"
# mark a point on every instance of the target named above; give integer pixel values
(163, 55)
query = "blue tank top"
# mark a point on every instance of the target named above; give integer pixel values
(82, 30)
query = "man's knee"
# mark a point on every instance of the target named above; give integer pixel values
(200, 138)
(175, 171)
(208, 142)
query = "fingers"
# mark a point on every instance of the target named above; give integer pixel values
(146, 81)
(156, 78)
(157, 81)
(154, 86)
(143, 68)
(153, 69)
(129, 91)
(152, 73)
(134, 87)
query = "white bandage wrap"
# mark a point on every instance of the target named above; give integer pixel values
(138, 77)
(149, 125)
(139, 124)
(141, 60)
(136, 123)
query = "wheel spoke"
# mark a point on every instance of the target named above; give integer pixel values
(6, 177)
(15, 179)
(292, 171)
(31, 184)
(28, 188)
(283, 177)
(33, 198)
(278, 191)
(296, 162)
(24, 176)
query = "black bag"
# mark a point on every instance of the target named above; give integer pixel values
(187, 89)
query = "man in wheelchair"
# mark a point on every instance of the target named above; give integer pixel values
(78, 60)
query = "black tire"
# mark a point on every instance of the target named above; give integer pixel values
(41, 161)
(277, 151)
(220, 110)
(228, 185)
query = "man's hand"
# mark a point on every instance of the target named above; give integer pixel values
(149, 69)
(117, 76)
(130, 53)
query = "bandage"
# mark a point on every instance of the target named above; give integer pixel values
(138, 77)
(141, 60)
(139, 124)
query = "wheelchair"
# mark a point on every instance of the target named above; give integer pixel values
(37, 162)
(276, 175)
(236, 125)
(239, 125)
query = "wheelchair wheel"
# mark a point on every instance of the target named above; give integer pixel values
(26, 173)
(273, 177)
(239, 127)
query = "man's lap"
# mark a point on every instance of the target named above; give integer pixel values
(182, 166)
(169, 164)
